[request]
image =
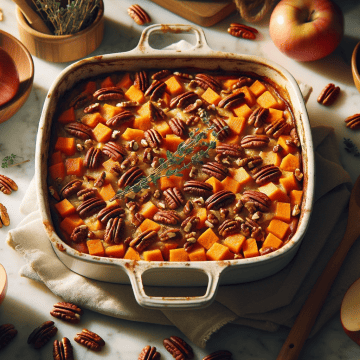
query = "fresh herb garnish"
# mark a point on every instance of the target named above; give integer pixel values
(351, 148)
(9, 161)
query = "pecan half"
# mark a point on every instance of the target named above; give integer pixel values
(93, 158)
(141, 80)
(328, 95)
(130, 177)
(198, 188)
(89, 339)
(183, 99)
(4, 216)
(178, 348)
(138, 14)
(207, 81)
(7, 334)
(63, 350)
(177, 126)
(42, 334)
(232, 100)
(78, 130)
(111, 211)
(79, 234)
(266, 174)
(155, 90)
(229, 227)
(67, 312)
(219, 355)
(95, 107)
(173, 198)
(242, 31)
(7, 185)
(110, 93)
(114, 150)
(295, 137)
(120, 118)
(149, 353)
(260, 200)
(153, 138)
(87, 194)
(161, 74)
(80, 100)
(220, 199)
(170, 234)
(71, 188)
(188, 208)
(114, 230)
(90, 207)
(221, 127)
(232, 150)
(216, 170)
(193, 107)
(167, 217)
(190, 223)
(156, 113)
(243, 81)
(142, 241)
(276, 128)
(353, 122)
(254, 141)
(258, 117)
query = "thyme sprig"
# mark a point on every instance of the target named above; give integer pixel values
(9, 161)
(351, 148)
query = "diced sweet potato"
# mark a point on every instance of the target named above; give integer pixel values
(283, 212)
(132, 254)
(202, 214)
(166, 247)
(65, 208)
(277, 228)
(74, 166)
(107, 82)
(95, 247)
(142, 123)
(257, 88)
(107, 192)
(115, 251)
(228, 84)
(56, 158)
(290, 163)
(148, 210)
(125, 82)
(235, 242)
(287, 149)
(171, 181)
(270, 158)
(272, 241)
(207, 238)
(166, 98)
(153, 255)
(133, 134)
(57, 171)
(242, 110)
(145, 111)
(92, 119)
(267, 100)
(148, 224)
(236, 124)
(274, 114)
(231, 184)
(109, 164)
(108, 111)
(163, 128)
(250, 248)
(211, 96)
(171, 142)
(94, 226)
(250, 98)
(274, 193)
(233, 139)
(173, 86)
(296, 197)
(66, 145)
(289, 183)
(67, 116)
(197, 253)
(219, 252)
(178, 255)
(102, 133)
(70, 223)
(215, 183)
(90, 87)
(135, 94)
(241, 176)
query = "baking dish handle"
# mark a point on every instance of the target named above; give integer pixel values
(201, 45)
(213, 272)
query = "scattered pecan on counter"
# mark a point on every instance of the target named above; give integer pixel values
(328, 95)
(89, 339)
(7, 334)
(242, 31)
(138, 14)
(42, 334)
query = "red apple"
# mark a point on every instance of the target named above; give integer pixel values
(350, 312)
(306, 30)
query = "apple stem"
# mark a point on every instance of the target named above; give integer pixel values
(310, 17)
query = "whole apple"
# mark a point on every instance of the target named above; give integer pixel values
(306, 30)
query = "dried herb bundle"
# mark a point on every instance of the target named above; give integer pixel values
(77, 14)
(351, 148)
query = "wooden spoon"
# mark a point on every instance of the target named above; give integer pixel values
(310, 310)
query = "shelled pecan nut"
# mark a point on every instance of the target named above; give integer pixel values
(261, 200)
(276, 128)
(95, 107)
(120, 118)
(178, 348)
(86, 194)
(143, 240)
(149, 353)
(71, 188)
(215, 169)
(221, 127)
(67, 312)
(192, 120)
(243, 31)
(42, 334)
(193, 107)
(156, 113)
(170, 234)
(7, 334)
(254, 161)
(207, 81)
(219, 355)
(254, 141)
(155, 90)
(238, 206)
(153, 138)
(198, 188)
(266, 250)
(109, 93)
(243, 81)
(353, 122)
(80, 100)
(266, 174)
(138, 14)
(190, 223)
(115, 151)
(232, 100)
(137, 219)
(7, 185)
(63, 350)
(89, 339)
(183, 76)
(188, 208)
(4, 216)
(328, 95)
(220, 199)
(167, 217)
(90, 207)
(177, 126)
(141, 80)
(258, 117)
(173, 198)
(109, 212)
(233, 150)
(93, 158)
(161, 74)
(78, 130)
(79, 234)
(295, 137)
(130, 177)
(184, 99)
(229, 227)
(114, 230)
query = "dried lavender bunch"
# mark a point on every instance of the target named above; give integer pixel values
(69, 20)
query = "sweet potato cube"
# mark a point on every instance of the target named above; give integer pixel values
(66, 145)
(107, 192)
(228, 84)
(166, 247)
(272, 241)
(274, 114)
(145, 111)
(250, 248)
(211, 96)
(125, 82)
(274, 193)
(148, 224)
(241, 176)
(231, 184)
(236, 124)
(94, 226)
(153, 255)
(90, 87)
(108, 111)
(148, 210)
(287, 149)
(290, 163)
(270, 158)
(242, 110)
(207, 238)
(95, 247)
(56, 158)
(65, 208)
(115, 251)
(257, 88)
(132, 254)
(74, 166)
(166, 98)
(102, 133)
(67, 116)
(107, 82)
(142, 123)
(173, 86)
(133, 134)
(178, 255)
(277, 228)
(250, 98)
(135, 94)
(109, 164)
(163, 128)
(289, 183)
(92, 119)
(171, 142)
(171, 181)
(235, 139)
(70, 223)
(296, 197)
(235, 242)
(215, 183)
(219, 252)
(267, 100)
(283, 212)
(197, 253)
(57, 171)
(202, 214)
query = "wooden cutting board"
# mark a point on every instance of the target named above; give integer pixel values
(204, 13)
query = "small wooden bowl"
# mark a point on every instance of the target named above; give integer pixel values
(25, 67)
(3, 283)
(355, 65)
(62, 48)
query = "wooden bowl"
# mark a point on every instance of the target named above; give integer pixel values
(3, 283)
(355, 65)
(25, 67)
(62, 48)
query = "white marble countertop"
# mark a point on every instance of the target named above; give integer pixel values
(28, 303)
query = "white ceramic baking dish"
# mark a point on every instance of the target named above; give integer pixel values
(140, 273)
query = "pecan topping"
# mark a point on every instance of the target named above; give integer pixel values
(71, 188)
(295, 137)
(221, 127)
(220, 199)
(42, 334)
(174, 198)
(114, 150)
(198, 188)
(130, 177)
(170, 234)
(190, 223)
(79, 130)
(193, 107)
(120, 118)
(149, 353)
(153, 138)
(114, 230)
(67, 312)
(156, 90)
(137, 219)
(80, 100)
(87, 194)
(90, 207)
(229, 227)
(177, 126)
(266, 250)
(266, 174)
(92, 108)
(353, 122)
(63, 350)
(142, 241)
(156, 113)
(7, 185)
(207, 81)
(328, 95)
(219, 355)
(161, 74)
(141, 80)
(111, 211)
(183, 99)
(260, 200)
(93, 158)
(254, 141)
(243, 81)
(167, 217)
(232, 150)
(4, 216)
(211, 220)
(138, 14)
(178, 348)
(110, 93)
(7, 334)
(188, 208)
(242, 31)
(89, 339)
(216, 170)
(276, 128)
(258, 117)
(232, 100)
(79, 234)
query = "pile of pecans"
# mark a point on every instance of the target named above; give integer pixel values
(7, 186)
